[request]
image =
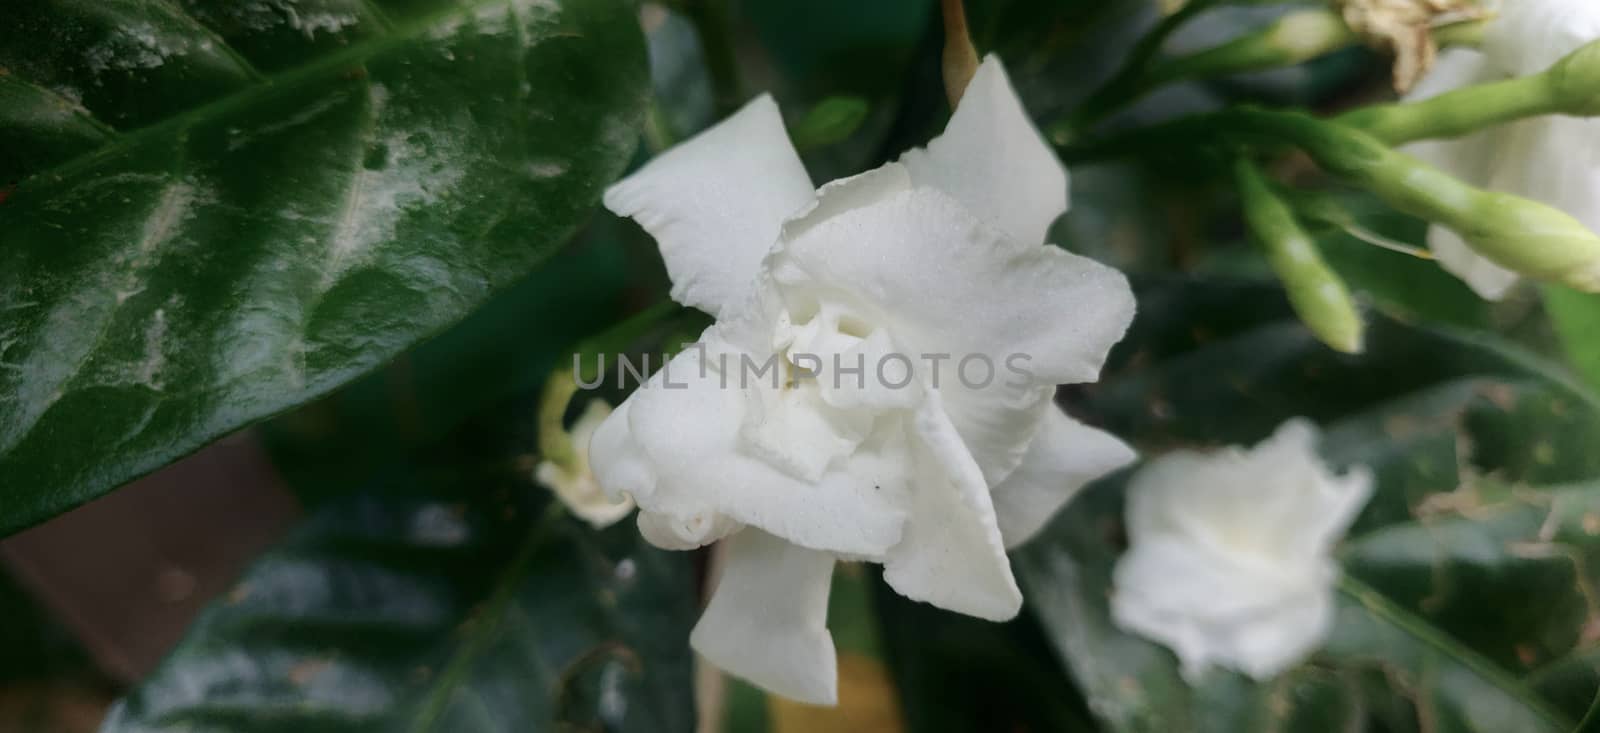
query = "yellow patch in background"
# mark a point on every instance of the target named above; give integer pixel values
(867, 703)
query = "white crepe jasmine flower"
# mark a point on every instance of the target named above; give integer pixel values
(1230, 553)
(575, 484)
(933, 471)
(1554, 159)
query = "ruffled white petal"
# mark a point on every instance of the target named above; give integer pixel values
(767, 620)
(1230, 559)
(951, 554)
(958, 286)
(993, 323)
(715, 204)
(1277, 499)
(1212, 612)
(997, 422)
(685, 533)
(1064, 457)
(676, 446)
(844, 195)
(993, 160)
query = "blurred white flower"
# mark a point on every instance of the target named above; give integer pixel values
(1553, 159)
(939, 254)
(575, 485)
(1229, 558)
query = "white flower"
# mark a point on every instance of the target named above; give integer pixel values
(1552, 159)
(575, 485)
(941, 253)
(1230, 552)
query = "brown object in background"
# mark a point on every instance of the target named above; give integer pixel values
(128, 572)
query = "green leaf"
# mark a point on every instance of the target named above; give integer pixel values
(1577, 320)
(498, 357)
(227, 209)
(468, 605)
(1435, 630)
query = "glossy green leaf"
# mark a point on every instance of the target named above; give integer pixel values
(469, 605)
(1435, 628)
(497, 358)
(226, 209)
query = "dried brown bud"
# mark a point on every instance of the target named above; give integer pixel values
(1405, 29)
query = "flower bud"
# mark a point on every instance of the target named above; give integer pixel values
(1575, 81)
(1517, 233)
(1316, 292)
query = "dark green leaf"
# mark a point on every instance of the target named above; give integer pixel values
(496, 358)
(226, 209)
(467, 606)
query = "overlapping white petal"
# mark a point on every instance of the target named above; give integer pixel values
(993, 160)
(677, 447)
(714, 204)
(1230, 559)
(951, 554)
(1553, 160)
(1063, 458)
(996, 358)
(907, 328)
(767, 620)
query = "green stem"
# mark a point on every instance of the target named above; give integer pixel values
(1296, 38)
(1293, 39)
(1571, 87)
(1526, 236)
(1126, 85)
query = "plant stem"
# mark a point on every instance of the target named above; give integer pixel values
(1570, 87)
(1295, 38)
(1126, 84)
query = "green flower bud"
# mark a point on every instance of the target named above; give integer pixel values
(1319, 296)
(1519, 234)
(1295, 38)
(1575, 81)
